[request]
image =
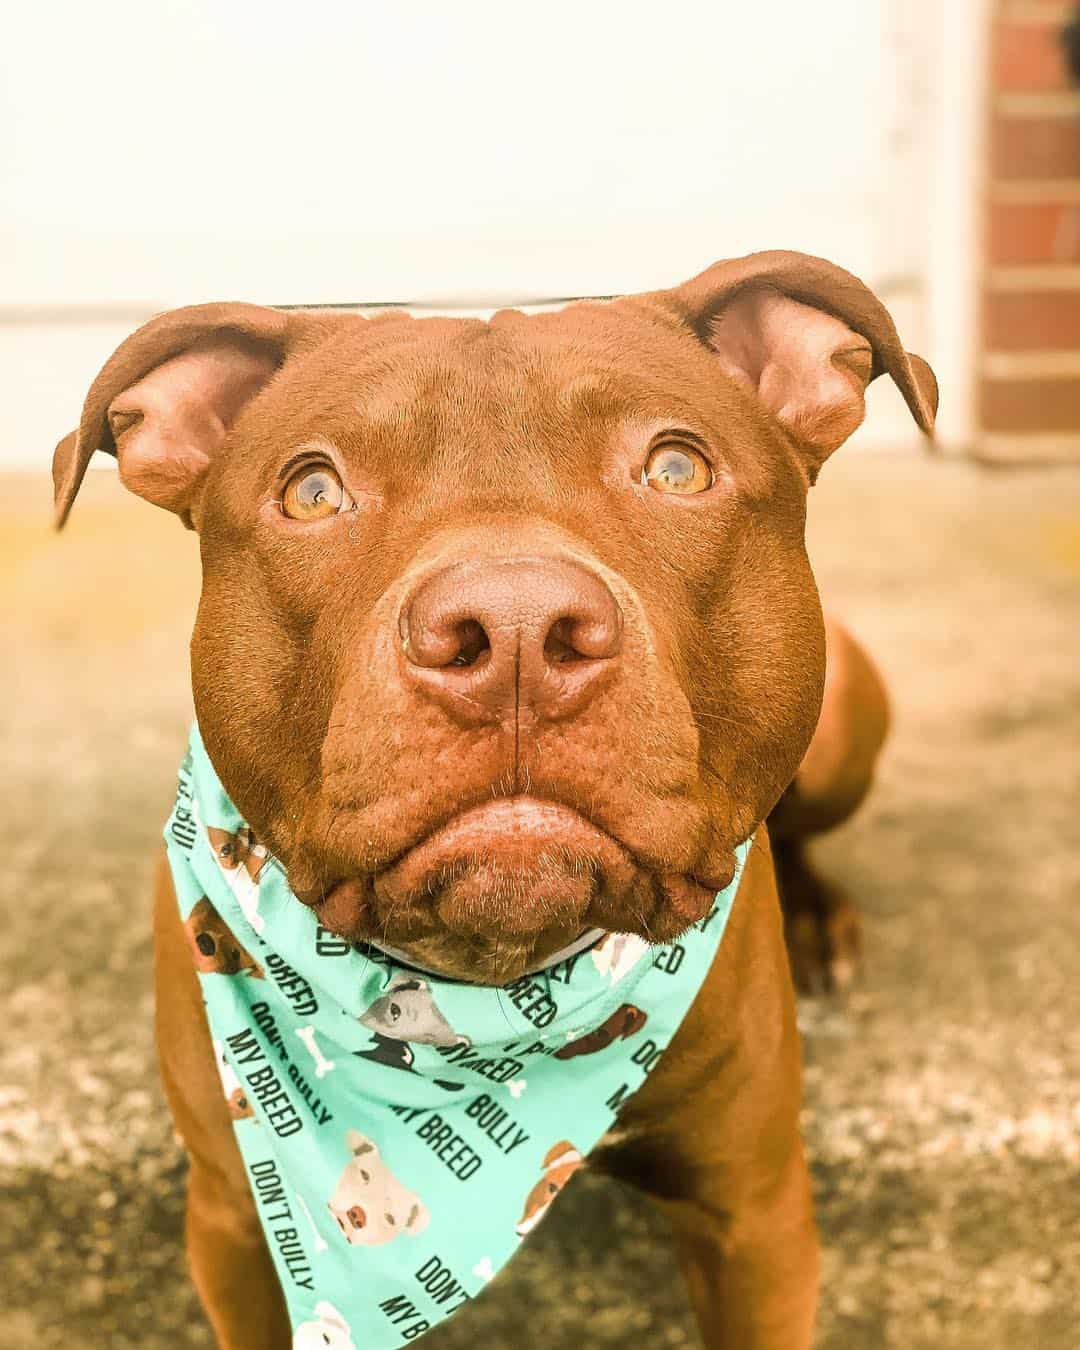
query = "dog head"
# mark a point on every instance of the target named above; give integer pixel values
(241, 849)
(560, 1163)
(532, 641)
(370, 1205)
(214, 947)
(407, 1012)
(329, 1331)
(624, 1022)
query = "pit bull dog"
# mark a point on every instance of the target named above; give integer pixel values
(625, 1021)
(538, 646)
(407, 1012)
(214, 948)
(328, 1332)
(560, 1164)
(370, 1203)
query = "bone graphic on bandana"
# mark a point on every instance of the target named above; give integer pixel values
(483, 1269)
(323, 1066)
(516, 1087)
(321, 1244)
(618, 954)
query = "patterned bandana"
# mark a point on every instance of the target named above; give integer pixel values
(402, 1132)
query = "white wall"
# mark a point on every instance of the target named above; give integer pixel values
(170, 153)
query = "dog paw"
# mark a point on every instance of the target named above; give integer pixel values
(825, 946)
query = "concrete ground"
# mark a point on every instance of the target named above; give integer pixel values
(942, 1113)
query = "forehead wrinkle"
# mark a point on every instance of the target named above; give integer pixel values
(592, 397)
(317, 445)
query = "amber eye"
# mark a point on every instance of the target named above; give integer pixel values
(312, 493)
(676, 468)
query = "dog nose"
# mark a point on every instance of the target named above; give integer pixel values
(495, 638)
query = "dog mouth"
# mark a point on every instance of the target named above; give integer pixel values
(521, 874)
(518, 862)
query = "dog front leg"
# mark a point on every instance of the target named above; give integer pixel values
(231, 1266)
(229, 1259)
(713, 1137)
(751, 1272)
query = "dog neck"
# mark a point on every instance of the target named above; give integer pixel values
(589, 938)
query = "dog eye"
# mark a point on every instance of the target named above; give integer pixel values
(676, 468)
(313, 493)
(206, 944)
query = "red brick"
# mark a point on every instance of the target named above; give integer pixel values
(1023, 321)
(1030, 405)
(1034, 147)
(1028, 56)
(1032, 233)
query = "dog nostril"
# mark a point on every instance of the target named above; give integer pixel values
(472, 643)
(559, 646)
(576, 639)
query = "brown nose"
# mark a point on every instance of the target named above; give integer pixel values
(494, 639)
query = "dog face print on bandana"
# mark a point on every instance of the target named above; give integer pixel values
(403, 1133)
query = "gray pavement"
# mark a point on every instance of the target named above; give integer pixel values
(942, 1113)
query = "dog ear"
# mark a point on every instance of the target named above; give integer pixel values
(166, 398)
(418, 1220)
(807, 338)
(562, 1152)
(358, 1144)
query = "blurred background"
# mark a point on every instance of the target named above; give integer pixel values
(464, 157)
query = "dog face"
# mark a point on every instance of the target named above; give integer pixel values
(237, 850)
(624, 1022)
(407, 1012)
(329, 1331)
(370, 1205)
(538, 641)
(560, 1164)
(214, 948)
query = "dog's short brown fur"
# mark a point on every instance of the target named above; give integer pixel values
(510, 622)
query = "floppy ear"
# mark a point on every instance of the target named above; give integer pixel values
(358, 1144)
(418, 1220)
(807, 338)
(164, 401)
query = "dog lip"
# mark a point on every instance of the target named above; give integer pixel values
(530, 815)
(510, 829)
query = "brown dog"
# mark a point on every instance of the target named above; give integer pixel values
(560, 1163)
(539, 645)
(625, 1021)
(214, 948)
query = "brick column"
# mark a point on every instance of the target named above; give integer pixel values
(1029, 375)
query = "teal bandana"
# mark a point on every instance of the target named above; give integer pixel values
(403, 1132)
